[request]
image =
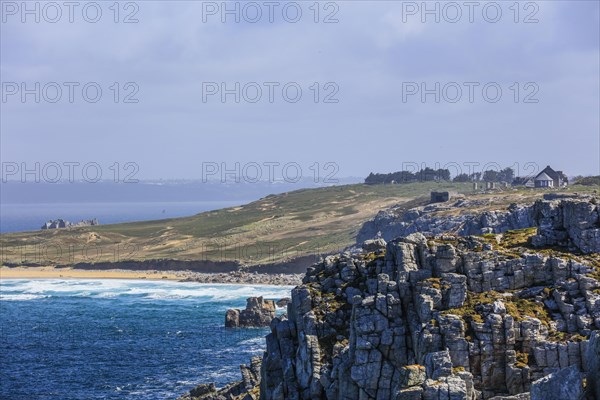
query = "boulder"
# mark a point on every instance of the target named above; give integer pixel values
(283, 302)
(203, 390)
(258, 313)
(592, 362)
(373, 245)
(438, 364)
(565, 384)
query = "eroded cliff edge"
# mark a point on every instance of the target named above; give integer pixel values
(445, 317)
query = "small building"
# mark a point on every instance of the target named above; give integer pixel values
(440, 197)
(558, 178)
(543, 180)
(547, 178)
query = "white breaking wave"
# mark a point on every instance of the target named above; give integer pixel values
(25, 289)
(20, 297)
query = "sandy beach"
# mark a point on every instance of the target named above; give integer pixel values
(230, 278)
(52, 273)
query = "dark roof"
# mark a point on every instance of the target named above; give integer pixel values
(543, 177)
(550, 172)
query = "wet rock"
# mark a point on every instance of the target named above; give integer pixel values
(258, 313)
(203, 389)
(283, 302)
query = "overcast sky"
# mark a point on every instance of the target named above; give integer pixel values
(373, 61)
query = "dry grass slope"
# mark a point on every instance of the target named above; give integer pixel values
(274, 229)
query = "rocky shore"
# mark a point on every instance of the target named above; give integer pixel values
(507, 316)
(244, 278)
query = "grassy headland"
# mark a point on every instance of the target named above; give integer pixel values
(272, 230)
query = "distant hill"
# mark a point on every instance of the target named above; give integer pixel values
(273, 229)
(301, 224)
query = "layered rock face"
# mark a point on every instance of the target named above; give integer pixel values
(562, 222)
(434, 219)
(444, 318)
(258, 313)
(568, 223)
(447, 318)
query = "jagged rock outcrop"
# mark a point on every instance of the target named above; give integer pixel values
(566, 222)
(445, 317)
(245, 389)
(357, 325)
(258, 313)
(435, 219)
(566, 383)
(61, 223)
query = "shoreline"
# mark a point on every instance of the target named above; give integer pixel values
(241, 278)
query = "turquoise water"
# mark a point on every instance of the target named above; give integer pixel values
(120, 339)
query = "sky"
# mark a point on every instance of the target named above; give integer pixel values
(191, 89)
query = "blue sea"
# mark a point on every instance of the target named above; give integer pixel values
(121, 339)
(31, 216)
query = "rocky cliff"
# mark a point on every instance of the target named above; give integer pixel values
(506, 316)
(463, 217)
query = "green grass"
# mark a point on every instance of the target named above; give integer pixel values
(273, 229)
(294, 224)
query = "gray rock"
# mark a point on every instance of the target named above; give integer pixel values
(564, 384)
(592, 362)
(412, 375)
(353, 328)
(412, 393)
(203, 389)
(61, 223)
(521, 396)
(569, 223)
(373, 245)
(438, 364)
(259, 312)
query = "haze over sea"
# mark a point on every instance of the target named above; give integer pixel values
(121, 339)
(29, 217)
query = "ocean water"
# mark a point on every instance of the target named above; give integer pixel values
(31, 216)
(121, 339)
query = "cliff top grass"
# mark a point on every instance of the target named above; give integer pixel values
(518, 308)
(274, 229)
(516, 243)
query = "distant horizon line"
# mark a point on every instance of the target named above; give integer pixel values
(340, 180)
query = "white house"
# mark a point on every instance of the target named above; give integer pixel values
(543, 180)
